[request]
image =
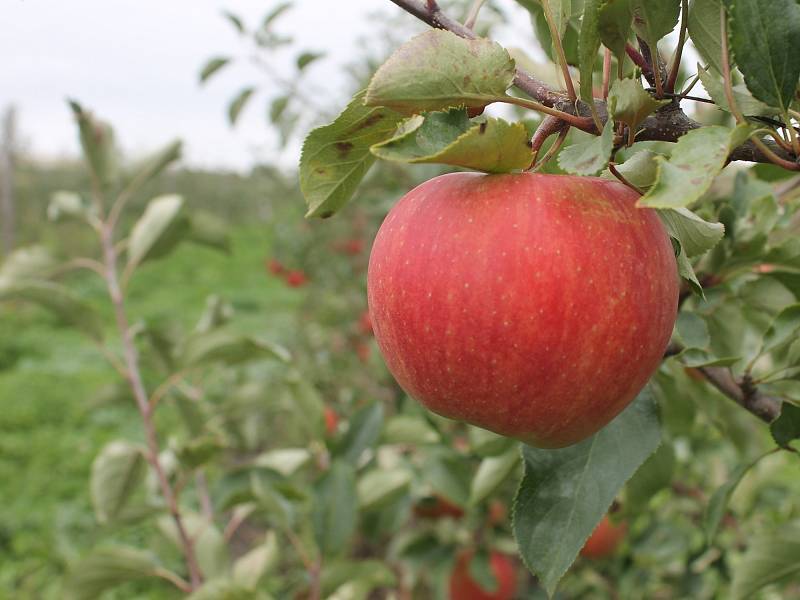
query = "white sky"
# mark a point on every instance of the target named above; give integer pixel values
(136, 62)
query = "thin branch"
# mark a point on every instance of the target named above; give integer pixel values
(743, 393)
(552, 150)
(562, 57)
(676, 63)
(606, 72)
(584, 123)
(549, 126)
(472, 16)
(174, 579)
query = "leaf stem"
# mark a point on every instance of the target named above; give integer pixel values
(472, 15)
(613, 169)
(606, 72)
(676, 62)
(584, 123)
(562, 57)
(552, 150)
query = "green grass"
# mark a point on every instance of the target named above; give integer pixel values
(53, 420)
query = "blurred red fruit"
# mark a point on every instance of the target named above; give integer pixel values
(497, 513)
(275, 266)
(331, 420)
(296, 279)
(437, 507)
(604, 539)
(363, 351)
(365, 323)
(463, 587)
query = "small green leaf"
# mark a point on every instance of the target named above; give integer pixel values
(697, 357)
(718, 503)
(588, 46)
(224, 588)
(640, 169)
(276, 12)
(704, 30)
(97, 142)
(487, 443)
(744, 100)
(614, 20)
(238, 103)
(106, 568)
(785, 327)
(405, 429)
(653, 19)
(786, 428)
(160, 228)
(65, 206)
(363, 432)
(764, 36)
(58, 300)
(630, 103)
(336, 157)
(653, 476)
(208, 230)
(309, 405)
(234, 20)
(696, 159)
(591, 156)
(260, 560)
(228, 347)
(480, 571)
(116, 472)
(491, 473)
(695, 235)
(306, 58)
(212, 66)
(685, 269)
(26, 263)
(380, 487)
(771, 557)
(154, 165)
(412, 80)
(277, 108)
(450, 138)
(449, 475)
(286, 461)
(564, 493)
(335, 508)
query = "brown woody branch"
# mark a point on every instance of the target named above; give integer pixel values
(667, 124)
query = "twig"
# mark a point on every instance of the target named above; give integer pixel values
(174, 579)
(676, 63)
(552, 150)
(205, 497)
(549, 126)
(743, 393)
(584, 123)
(606, 72)
(562, 57)
(134, 377)
(472, 16)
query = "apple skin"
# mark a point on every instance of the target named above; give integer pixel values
(535, 306)
(464, 587)
(296, 279)
(604, 539)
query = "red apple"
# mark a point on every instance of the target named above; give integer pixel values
(437, 507)
(604, 539)
(331, 420)
(536, 306)
(464, 587)
(275, 266)
(296, 279)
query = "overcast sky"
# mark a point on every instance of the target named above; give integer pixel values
(136, 62)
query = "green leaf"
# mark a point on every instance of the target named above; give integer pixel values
(116, 473)
(335, 508)
(491, 473)
(704, 31)
(588, 46)
(785, 327)
(306, 58)
(653, 476)
(208, 230)
(696, 159)
(224, 588)
(437, 70)
(763, 35)
(253, 565)
(65, 206)
(97, 142)
(337, 573)
(630, 103)
(591, 156)
(770, 558)
(695, 235)
(480, 571)
(363, 432)
(106, 568)
(653, 19)
(212, 66)
(561, 11)
(286, 461)
(229, 347)
(640, 169)
(309, 407)
(569, 37)
(277, 108)
(686, 271)
(276, 12)
(336, 157)
(160, 228)
(786, 428)
(721, 497)
(564, 493)
(25, 264)
(238, 103)
(697, 357)
(744, 100)
(154, 165)
(405, 429)
(234, 20)
(614, 20)
(209, 543)
(487, 443)
(493, 146)
(380, 487)
(692, 330)
(58, 300)
(449, 476)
